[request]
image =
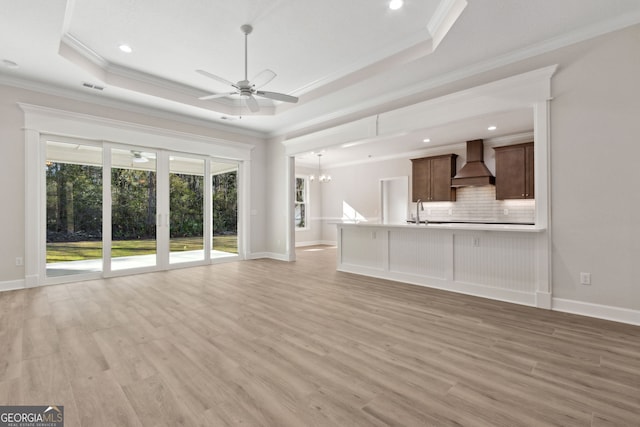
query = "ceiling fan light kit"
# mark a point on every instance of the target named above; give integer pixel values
(248, 90)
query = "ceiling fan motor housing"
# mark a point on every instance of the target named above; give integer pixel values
(246, 89)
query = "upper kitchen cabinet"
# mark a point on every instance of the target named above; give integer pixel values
(431, 178)
(514, 172)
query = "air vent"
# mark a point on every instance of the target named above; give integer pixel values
(9, 64)
(90, 86)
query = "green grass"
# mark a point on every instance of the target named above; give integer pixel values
(75, 251)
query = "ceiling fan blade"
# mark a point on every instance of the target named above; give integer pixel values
(277, 96)
(217, 95)
(263, 78)
(214, 77)
(252, 104)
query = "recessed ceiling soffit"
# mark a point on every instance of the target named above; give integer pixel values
(439, 21)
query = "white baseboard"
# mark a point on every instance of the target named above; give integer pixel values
(543, 300)
(607, 312)
(12, 285)
(308, 243)
(315, 243)
(271, 255)
(507, 295)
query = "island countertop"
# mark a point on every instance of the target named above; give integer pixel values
(527, 228)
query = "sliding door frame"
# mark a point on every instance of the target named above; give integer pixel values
(44, 122)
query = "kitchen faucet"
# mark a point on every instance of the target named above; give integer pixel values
(419, 207)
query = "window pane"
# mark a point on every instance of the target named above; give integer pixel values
(186, 197)
(301, 218)
(300, 190)
(133, 209)
(74, 208)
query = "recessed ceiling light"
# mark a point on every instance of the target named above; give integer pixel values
(9, 64)
(395, 4)
(492, 128)
(426, 140)
(126, 48)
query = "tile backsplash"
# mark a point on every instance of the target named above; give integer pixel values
(478, 204)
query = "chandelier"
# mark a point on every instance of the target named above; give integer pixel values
(321, 177)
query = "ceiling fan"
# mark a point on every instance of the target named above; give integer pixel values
(248, 89)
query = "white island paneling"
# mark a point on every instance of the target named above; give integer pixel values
(504, 263)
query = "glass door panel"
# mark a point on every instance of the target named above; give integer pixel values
(73, 208)
(224, 188)
(186, 204)
(133, 209)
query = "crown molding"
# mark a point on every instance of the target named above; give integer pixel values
(48, 112)
(49, 89)
(446, 14)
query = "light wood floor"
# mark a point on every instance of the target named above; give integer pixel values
(299, 344)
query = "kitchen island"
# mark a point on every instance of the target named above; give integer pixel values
(507, 262)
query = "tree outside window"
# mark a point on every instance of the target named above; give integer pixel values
(302, 201)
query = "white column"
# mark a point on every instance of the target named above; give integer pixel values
(542, 132)
(106, 209)
(35, 215)
(290, 191)
(162, 209)
(244, 208)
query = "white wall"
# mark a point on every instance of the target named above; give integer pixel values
(277, 204)
(358, 187)
(595, 154)
(12, 172)
(12, 237)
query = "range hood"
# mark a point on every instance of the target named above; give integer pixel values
(474, 172)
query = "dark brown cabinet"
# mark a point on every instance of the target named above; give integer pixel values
(431, 178)
(514, 172)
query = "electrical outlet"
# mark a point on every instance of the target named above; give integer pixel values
(476, 242)
(450, 211)
(19, 261)
(585, 278)
(506, 211)
(373, 235)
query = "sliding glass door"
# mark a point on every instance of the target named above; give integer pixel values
(73, 181)
(133, 209)
(111, 209)
(186, 206)
(224, 190)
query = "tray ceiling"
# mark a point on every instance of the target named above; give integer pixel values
(343, 59)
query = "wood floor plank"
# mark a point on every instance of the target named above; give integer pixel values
(102, 402)
(11, 348)
(80, 354)
(64, 313)
(43, 381)
(272, 343)
(39, 337)
(123, 356)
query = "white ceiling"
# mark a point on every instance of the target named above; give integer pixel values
(344, 59)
